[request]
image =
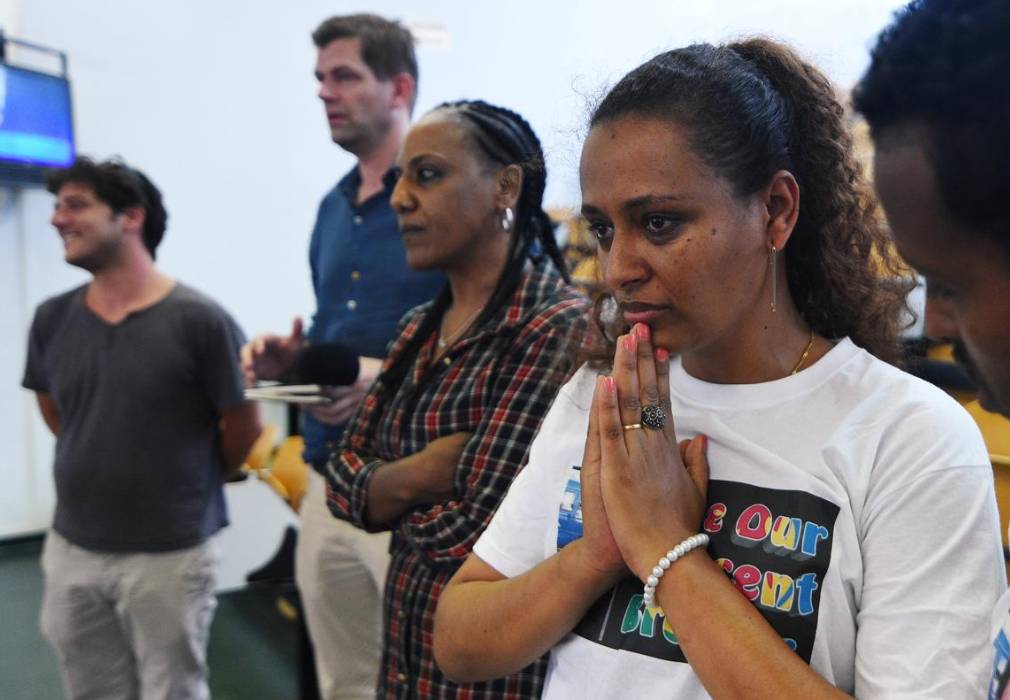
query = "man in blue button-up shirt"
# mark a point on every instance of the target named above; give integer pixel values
(367, 74)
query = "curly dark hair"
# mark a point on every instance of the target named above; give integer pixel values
(945, 65)
(118, 186)
(750, 109)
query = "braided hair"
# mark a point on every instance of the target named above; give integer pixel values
(750, 109)
(504, 138)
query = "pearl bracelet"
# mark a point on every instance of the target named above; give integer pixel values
(692, 542)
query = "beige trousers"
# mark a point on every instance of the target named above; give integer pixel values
(341, 572)
(129, 626)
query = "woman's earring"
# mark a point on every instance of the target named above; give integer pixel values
(772, 257)
(507, 219)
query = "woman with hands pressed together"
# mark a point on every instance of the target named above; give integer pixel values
(465, 385)
(753, 502)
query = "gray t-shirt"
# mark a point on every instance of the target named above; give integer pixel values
(138, 464)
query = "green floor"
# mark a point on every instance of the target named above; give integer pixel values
(252, 656)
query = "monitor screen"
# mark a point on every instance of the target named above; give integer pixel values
(36, 128)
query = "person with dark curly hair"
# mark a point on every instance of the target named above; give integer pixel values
(137, 376)
(753, 502)
(465, 384)
(937, 98)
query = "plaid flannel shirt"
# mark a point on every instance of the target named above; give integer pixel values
(496, 384)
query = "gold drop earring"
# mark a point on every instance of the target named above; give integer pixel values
(772, 257)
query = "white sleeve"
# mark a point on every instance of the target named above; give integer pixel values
(522, 531)
(932, 558)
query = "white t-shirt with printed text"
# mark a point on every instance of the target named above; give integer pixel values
(852, 503)
(999, 680)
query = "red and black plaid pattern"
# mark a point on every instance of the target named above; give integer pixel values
(496, 384)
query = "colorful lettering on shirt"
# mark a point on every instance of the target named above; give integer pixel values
(805, 587)
(644, 620)
(713, 518)
(753, 525)
(998, 682)
(775, 547)
(812, 534)
(785, 535)
(771, 589)
(570, 512)
(777, 591)
(782, 535)
(747, 578)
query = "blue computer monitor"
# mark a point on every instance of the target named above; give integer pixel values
(36, 124)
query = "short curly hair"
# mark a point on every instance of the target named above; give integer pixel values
(118, 186)
(945, 65)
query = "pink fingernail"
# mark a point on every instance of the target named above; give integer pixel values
(662, 354)
(630, 342)
(642, 331)
(610, 385)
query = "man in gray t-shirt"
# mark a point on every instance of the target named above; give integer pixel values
(138, 377)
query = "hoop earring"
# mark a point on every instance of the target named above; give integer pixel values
(772, 265)
(507, 219)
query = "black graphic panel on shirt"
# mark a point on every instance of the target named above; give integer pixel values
(774, 545)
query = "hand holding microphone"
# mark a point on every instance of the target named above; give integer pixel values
(269, 356)
(344, 376)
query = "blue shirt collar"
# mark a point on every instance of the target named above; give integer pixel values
(349, 184)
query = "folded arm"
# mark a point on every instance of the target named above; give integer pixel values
(488, 626)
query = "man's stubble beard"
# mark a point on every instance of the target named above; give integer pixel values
(964, 360)
(365, 138)
(104, 257)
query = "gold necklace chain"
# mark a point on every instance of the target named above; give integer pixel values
(803, 357)
(445, 340)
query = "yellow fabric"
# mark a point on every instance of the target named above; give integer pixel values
(282, 468)
(261, 450)
(290, 471)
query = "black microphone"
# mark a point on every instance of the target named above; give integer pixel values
(328, 364)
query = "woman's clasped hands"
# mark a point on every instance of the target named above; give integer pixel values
(642, 491)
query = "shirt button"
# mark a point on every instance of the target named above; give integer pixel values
(352, 305)
(401, 614)
(355, 275)
(401, 677)
(358, 220)
(447, 361)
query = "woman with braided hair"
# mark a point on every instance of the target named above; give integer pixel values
(752, 502)
(449, 421)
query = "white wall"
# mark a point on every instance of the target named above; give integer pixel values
(10, 15)
(216, 101)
